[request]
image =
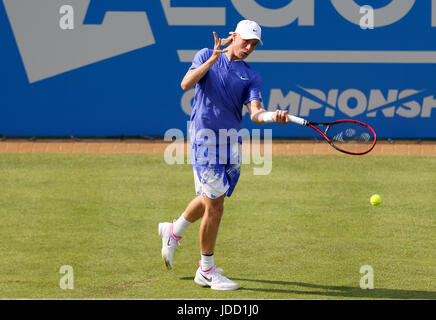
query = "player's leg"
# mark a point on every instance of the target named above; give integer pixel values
(193, 211)
(207, 273)
(223, 184)
(210, 224)
(171, 233)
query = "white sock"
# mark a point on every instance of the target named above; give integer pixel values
(206, 262)
(180, 225)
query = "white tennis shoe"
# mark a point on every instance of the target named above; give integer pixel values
(169, 243)
(214, 279)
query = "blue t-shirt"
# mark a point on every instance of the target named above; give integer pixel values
(221, 94)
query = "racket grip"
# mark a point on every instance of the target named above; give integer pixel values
(297, 120)
(268, 117)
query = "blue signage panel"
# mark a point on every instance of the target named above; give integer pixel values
(112, 67)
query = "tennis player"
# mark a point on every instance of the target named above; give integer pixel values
(224, 83)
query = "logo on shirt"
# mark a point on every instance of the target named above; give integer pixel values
(242, 78)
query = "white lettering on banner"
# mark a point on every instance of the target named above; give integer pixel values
(331, 101)
(408, 109)
(193, 16)
(308, 104)
(433, 13)
(344, 102)
(277, 100)
(376, 100)
(404, 103)
(429, 104)
(351, 102)
(46, 51)
(389, 14)
(303, 10)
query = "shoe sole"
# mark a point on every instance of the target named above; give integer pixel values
(200, 281)
(164, 256)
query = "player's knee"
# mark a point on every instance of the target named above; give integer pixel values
(215, 210)
(216, 205)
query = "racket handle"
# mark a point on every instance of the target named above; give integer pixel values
(268, 117)
(297, 120)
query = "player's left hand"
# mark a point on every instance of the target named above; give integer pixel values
(281, 116)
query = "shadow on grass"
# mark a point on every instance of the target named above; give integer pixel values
(335, 291)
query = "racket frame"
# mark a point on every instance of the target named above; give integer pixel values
(313, 125)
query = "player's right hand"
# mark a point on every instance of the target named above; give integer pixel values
(217, 48)
(281, 116)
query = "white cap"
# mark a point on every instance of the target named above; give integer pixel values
(248, 29)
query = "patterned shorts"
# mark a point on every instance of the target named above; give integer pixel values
(216, 168)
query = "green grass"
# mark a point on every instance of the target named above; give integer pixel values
(301, 232)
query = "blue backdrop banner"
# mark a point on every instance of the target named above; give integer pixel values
(113, 67)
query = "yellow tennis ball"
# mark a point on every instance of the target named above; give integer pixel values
(375, 200)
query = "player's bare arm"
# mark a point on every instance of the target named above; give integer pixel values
(195, 75)
(258, 113)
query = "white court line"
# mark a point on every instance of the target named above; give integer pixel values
(326, 56)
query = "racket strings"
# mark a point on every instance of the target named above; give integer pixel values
(350, 136)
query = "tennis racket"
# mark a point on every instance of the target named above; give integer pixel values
(348, 136)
